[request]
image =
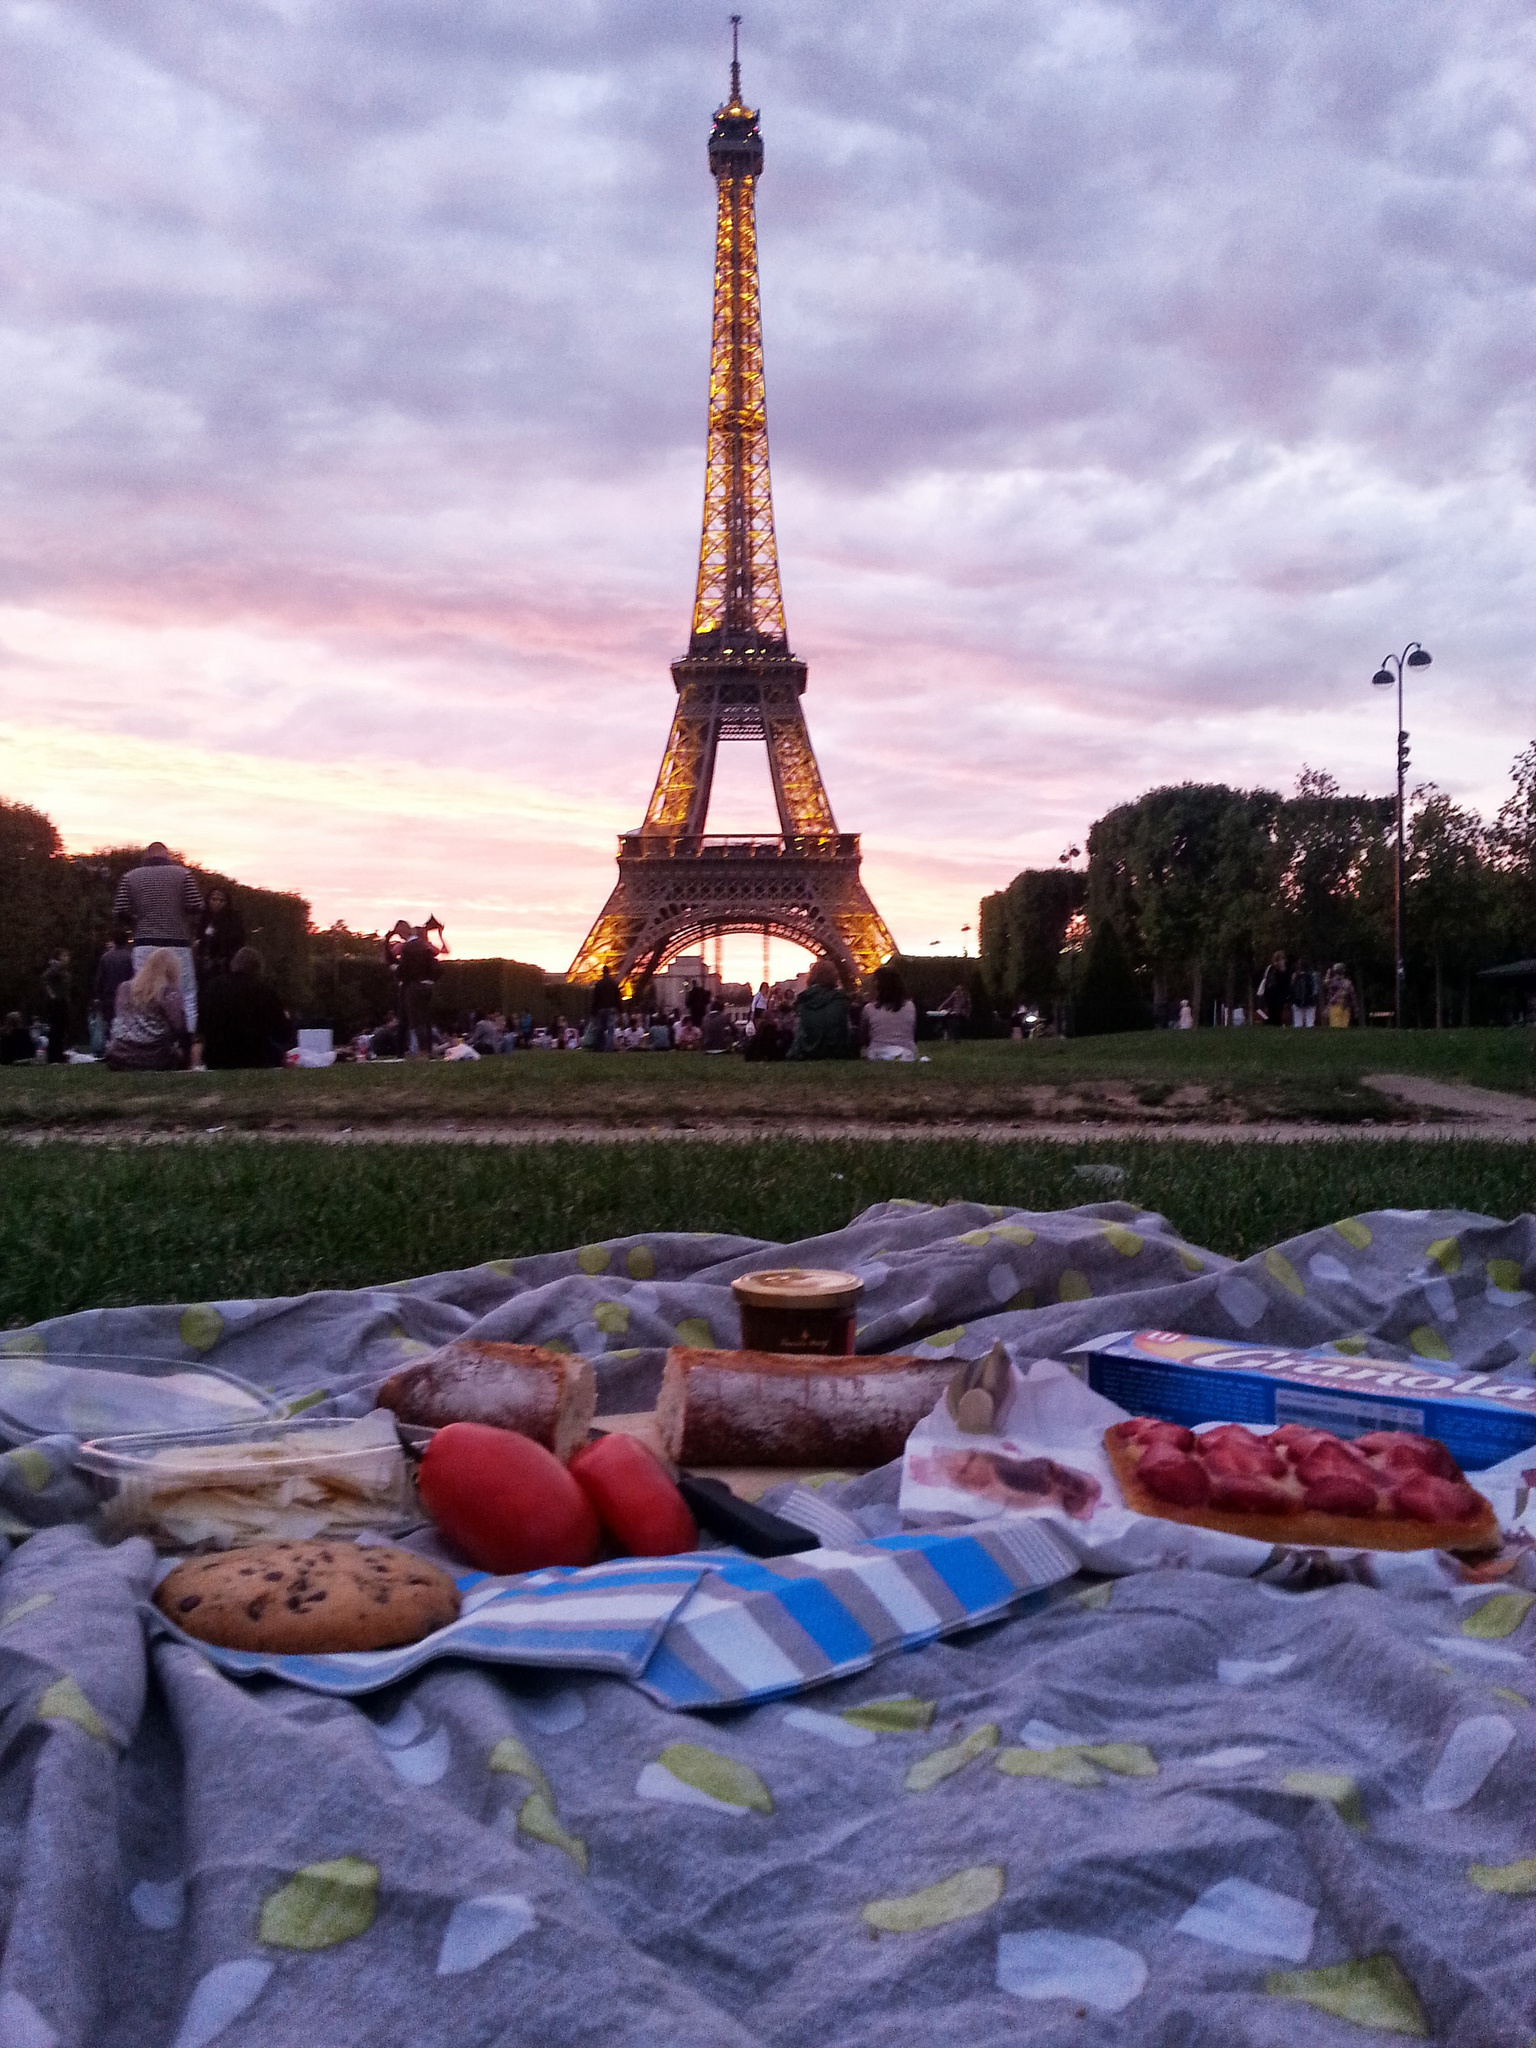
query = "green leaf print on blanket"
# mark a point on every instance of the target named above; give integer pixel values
(322, 1904)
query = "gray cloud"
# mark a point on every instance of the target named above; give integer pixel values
(1137, 372)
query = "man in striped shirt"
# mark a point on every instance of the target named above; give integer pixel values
(161, 902)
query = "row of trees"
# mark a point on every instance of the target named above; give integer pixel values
(53, 900)
(1189, 891)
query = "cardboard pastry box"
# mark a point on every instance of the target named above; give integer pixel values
(1479, 1417)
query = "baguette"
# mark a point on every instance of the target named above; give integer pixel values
(547, 1395)
(774, 1408)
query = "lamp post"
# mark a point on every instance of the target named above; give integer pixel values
(1391, 671)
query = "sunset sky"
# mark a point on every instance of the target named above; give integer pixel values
(1138, 374)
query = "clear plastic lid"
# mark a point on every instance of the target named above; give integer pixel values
(90, 1394)
(210, 1488)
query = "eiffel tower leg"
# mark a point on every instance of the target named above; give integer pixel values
(797, 785)
(613, 939)
(680, 799)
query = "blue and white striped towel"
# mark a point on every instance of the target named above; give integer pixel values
(606, 1617)
(713, 1628)
(756, 1629)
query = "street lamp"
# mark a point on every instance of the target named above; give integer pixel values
(1391, 671)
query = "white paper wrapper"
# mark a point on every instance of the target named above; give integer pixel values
(1053, 1416)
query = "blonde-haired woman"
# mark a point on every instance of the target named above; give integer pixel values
(149, 1024)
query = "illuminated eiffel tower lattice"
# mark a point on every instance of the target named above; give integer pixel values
(679, 885)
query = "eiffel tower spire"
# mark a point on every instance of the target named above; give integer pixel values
(738, 602)
(738, 680)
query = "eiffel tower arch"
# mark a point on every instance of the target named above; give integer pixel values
(738, 682)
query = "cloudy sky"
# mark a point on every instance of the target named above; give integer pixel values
(1138, 374)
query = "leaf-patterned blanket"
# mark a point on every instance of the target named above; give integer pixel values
(1180, 1808)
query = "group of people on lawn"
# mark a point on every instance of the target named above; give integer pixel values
(824, 1023)
(178, 986)
(177, 980)
(1289, 995)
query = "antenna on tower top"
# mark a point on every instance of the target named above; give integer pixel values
(735, 56)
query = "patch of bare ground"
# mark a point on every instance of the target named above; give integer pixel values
(1454, 1098)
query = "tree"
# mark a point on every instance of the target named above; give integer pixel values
(1446, 890)
(1186, 876)
(1108, 998)
(1514, 848)
(1334, 875)
(1022, 929)
(35, 888)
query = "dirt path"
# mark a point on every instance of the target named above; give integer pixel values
(1457, 1098)
(1501, 1130)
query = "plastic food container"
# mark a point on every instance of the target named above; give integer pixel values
(798, 1309)
(213, 1489)
(97, 1393)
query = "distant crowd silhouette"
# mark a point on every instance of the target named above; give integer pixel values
(177, 986)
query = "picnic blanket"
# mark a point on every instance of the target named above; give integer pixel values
(1169, 1808)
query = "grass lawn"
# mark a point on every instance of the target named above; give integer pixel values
(96, 1226)
(1167, 1075)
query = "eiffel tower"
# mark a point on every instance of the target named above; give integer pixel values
(679, 885)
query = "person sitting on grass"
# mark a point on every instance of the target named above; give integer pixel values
(890, 1021)
(113, 968)
(769, 1041)
(149, 1026)
(688, 1036)
(821, 1017)
(16, 1047)
(244, 1022)
(719, 1033)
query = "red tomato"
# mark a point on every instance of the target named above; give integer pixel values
(640, 1507)
(503, 1501)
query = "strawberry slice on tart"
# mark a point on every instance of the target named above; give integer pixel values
(1302, 1486)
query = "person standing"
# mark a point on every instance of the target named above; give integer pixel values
(394, 945)
(1340, 1002)
(1303, 997)
(606, 998)
(56, 1004)
(1270, 996)
(161, 904)
(418, 971)
(956, 1011)
(221, 935)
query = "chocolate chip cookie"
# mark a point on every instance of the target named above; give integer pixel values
(308, 1598)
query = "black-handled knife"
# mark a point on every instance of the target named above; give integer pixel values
(742, 1522)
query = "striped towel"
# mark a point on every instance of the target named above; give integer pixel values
(756, 1629)
(713, 1628)
(606, 1617)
